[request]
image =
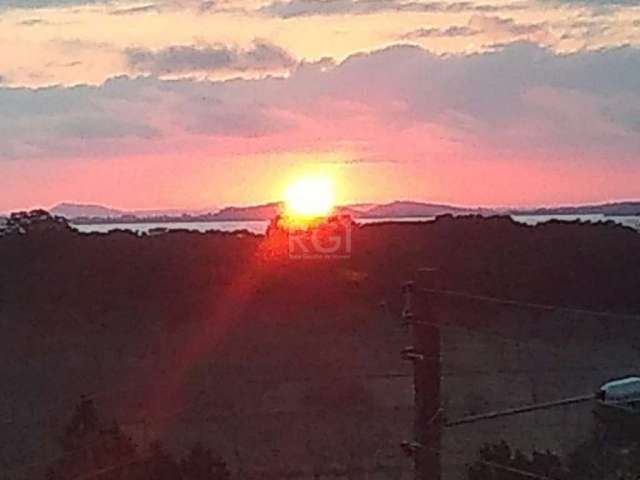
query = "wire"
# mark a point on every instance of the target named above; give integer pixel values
(538, 306)
(496, 336)
(106, 393)
(403, 375)
(66, 453)
(102, 471)
(33, 465)
(561, 352)
(519, 410)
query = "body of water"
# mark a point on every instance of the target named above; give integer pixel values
(254, 226)
(260, 226)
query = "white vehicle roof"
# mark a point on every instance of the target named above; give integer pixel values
(622, 389)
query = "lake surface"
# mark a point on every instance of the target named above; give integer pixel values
(260, 226)
(254, 226)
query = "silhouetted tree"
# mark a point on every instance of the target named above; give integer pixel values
(500, 462)
(35, 221)
(612, 452)
(202, 464)
(84, 425)
(90, 450)
(160, 465)
(88, 447)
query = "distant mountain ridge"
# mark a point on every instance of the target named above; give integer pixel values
(73, 210)
(414, 209)
(80, 213)
(77, 210)
(256, 212)
(613, 208)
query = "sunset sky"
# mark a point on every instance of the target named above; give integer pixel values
(207, 103)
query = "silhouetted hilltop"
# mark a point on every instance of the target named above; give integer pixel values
(616, 208)
(258, 212)
(413, 209)
(87, 214)
(82, 213)
(73, 210)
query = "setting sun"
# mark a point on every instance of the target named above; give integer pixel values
(310, 197)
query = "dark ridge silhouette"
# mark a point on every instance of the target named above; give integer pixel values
(96, 214)
(613, 209)
(575, 264)
(414, 209)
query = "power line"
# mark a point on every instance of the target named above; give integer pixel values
(106, 393)
(519, 410)
(496, 336)
(87, 446)
(104, 470)
(411, 321)
(33, 465)
(512, 340)
(537, 306)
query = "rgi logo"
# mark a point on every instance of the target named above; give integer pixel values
(327, 240)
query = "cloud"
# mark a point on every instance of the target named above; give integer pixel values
(495, 29)
(56, 122)
(433, 32)
(302, 8)
(128, 7)
(401, 103)
(30, 22)
(35, 4)
(184, 59)
(599, 3)
(135, 10)
(498, 27)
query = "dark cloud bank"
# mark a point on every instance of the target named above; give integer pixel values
(262, 56)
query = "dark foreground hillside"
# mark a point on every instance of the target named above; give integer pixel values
(281, 365)
(584, 265)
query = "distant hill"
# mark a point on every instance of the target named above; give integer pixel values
(265, 212)
(257, 212)
(616, 208)
(362, 207)
(413, 209)
(391, 210)
(398, 209)
(73, 210)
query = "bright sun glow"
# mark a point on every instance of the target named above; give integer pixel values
(310, 197)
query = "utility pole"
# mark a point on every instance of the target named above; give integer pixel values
(425, 355)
